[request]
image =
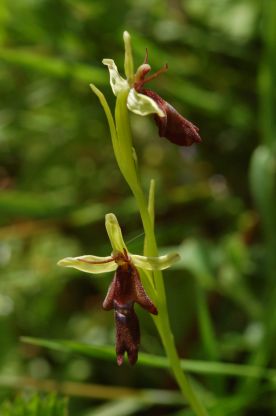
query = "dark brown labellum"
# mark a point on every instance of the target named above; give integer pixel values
(127, 333)
(126, 289)
(176, 128)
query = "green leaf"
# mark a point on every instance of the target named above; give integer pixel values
(263, 184)
(51, 65)
(107, 352)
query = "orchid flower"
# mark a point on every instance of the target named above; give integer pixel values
(143, 102)
(126, 287)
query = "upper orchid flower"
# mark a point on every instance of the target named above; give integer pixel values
(141, 101)
(126, 287)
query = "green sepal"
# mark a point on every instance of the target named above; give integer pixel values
(114, 233)
(90, 264)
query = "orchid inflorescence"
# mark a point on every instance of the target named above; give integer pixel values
(126, 288)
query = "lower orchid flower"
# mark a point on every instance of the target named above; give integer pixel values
(126, 287)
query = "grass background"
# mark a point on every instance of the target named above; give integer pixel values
(215, 202)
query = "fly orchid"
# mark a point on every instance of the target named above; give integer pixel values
(143, 102)
(126, 287)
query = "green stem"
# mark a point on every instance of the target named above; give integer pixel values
(122, 145)
(164, 324)
(129, 171)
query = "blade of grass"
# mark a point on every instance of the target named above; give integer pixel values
(118, 408)
(94, 391)
(53, 66)
(208, 336)
(200, 367)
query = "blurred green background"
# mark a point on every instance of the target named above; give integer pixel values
(215, 202)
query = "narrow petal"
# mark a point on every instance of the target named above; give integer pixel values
(116, 81)
(114, 233)
(141, 296)
(155, 263)
(142, 105)
(90, 264)
(108, 302)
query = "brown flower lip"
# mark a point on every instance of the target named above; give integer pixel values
(126, 289)
(173, 126)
